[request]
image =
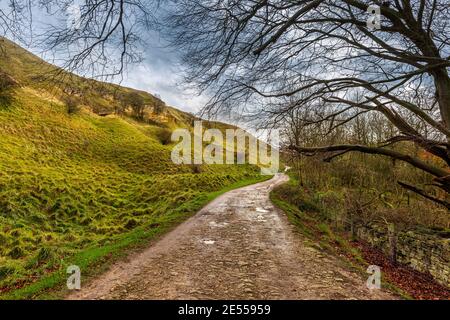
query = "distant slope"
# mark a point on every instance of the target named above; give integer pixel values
(78, 188)
(26, 69)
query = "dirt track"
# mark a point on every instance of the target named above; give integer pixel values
(237, 247)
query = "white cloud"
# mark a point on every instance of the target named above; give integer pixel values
(163, 79)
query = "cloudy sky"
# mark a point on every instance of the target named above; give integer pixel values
(160, 73)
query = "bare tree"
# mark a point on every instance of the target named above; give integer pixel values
(15, 16)
(95, 38)
(259, 55)
(108, 36)
(137, 104)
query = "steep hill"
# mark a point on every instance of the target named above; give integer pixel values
(79, 188)
(22, 68)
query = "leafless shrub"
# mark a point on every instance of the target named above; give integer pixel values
(72, 104)
(164, 136)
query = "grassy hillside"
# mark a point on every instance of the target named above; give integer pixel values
(78, 188)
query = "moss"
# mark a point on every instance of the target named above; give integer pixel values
(44, 254)
(131, 223)
(3, 239)
(6, 271)
(16, 253)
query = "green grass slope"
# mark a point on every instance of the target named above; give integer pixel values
(80, 188)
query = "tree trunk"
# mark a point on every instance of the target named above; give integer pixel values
(442, 83)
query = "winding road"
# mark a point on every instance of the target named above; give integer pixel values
(237, 247)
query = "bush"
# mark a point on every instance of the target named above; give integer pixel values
(164, 136)
(158, 108)
(16, 253)
(6, 271)
(6, 84)
(72, 103)
(6, 81)
(137, 104)
(196, 168)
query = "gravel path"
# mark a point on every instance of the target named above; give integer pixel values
(238, 247)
